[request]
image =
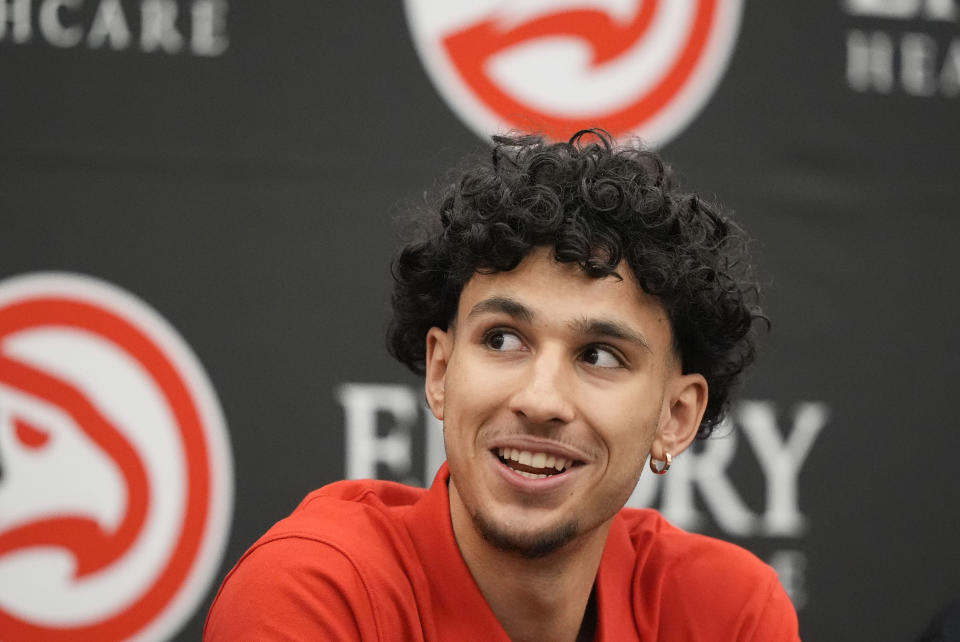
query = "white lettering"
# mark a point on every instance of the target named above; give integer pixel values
(158, 28)
(109, 25)
(53, 29)
(917, 52)
(780, 456)
(364, 448)
(707, 471)
(872, 65)
(60, 24)
(883, 8)
(791, 568)
(209, 35)
(903, 9)
(16, 14)
(940, 10)
(869, 61)
(950, 74)
(781, 459)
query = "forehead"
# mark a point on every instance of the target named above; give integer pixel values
(561, 293)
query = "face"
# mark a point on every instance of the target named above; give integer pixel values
(553, 387)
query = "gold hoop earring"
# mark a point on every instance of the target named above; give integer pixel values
(660, 470)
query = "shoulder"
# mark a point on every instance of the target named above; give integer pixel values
(292, 587)
(709, 583)
(667, 549)
(357, 521)
(325, 571)
(349, 513)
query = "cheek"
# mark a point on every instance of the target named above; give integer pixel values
(472, 388)
(627, 429)
(468, 402)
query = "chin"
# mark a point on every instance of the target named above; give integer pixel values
(527, 545)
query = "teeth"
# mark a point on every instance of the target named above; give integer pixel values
(535, 460)
(530, 475)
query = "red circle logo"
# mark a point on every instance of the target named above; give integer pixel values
(116, 482)
(634, 67)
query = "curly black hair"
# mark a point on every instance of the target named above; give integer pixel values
(596, 203)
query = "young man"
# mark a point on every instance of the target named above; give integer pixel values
(574, 314)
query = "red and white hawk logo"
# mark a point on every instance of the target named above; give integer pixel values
(116, 482)
(638, 67)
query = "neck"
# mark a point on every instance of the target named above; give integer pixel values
(534, 599)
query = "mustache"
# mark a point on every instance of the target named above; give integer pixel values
(562, 436)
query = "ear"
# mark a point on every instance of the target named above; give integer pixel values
(439, 348)
(683, 410)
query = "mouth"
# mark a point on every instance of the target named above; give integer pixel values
(533, 464)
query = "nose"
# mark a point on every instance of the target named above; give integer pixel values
(544, 393)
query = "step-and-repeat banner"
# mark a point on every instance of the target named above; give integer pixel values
(199, 200)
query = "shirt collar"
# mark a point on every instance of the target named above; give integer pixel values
(460, 610)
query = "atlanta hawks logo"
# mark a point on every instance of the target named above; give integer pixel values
(640, 67)
(115, 468)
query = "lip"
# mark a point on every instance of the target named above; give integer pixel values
(546, 484)
(534, 444)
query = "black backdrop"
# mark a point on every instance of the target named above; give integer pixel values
(249, 196)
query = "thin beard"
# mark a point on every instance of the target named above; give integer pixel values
(541, 546)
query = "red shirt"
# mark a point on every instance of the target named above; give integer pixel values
(374, 560)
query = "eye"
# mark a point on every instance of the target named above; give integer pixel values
(29, 434)
(503, 341)
(601, 357)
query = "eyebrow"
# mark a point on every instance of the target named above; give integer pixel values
(583, 326)
(506, 305)
(612, 329)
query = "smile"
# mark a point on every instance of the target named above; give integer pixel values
(531, 464)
